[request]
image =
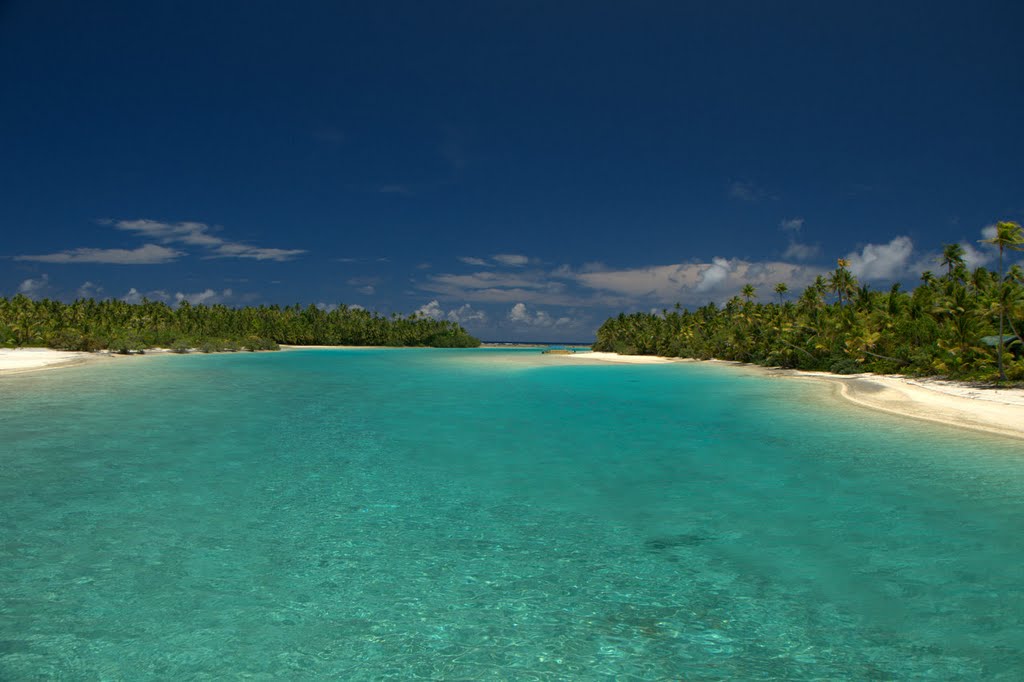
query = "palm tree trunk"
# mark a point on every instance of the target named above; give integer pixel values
(999, 350)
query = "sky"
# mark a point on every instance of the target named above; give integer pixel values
(526, 169)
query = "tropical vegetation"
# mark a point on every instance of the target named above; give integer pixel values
(961, 324)
(90, 325)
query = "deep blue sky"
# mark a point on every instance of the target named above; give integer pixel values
(527, 168)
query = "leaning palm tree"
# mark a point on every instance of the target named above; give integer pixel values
(1008, 236)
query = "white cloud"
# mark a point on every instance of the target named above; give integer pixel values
(235, 250)
(469, 260)
(792, 224)
(989, 231)
(690, 283)
(133, 296)
(432, 309)
(747, 191)
(974, 258)
(461, 315)
(798, 251)
(88, 290)
(712, 276)
(499, 287)
(520, 314)
(466, 314)
(200, 234)
(206, 296)
(34, 287)
(512, 259)
(136, 296)
(148, 254)
(882, 261)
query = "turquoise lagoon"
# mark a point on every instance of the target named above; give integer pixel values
(492, 515)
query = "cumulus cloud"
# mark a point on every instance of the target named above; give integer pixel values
(200, 234)
(974, 258)
(205, 296)
(136, 296)
(461, 315)
(466, 314)
(798, 251)
(521, 315)
(882, 261)
(431, 309)
(34, 287)
(148, 254)
(89, 290)
(712, 276)
(469, 260)
(512, 259)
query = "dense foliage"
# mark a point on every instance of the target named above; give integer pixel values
(949, 325)
(116, 325)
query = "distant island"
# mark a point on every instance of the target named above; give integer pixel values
(962, 324)
(121, 327)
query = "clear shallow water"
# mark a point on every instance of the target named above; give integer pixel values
(377, 514)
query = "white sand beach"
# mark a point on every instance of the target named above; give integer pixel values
(996, 411)
(16, 360)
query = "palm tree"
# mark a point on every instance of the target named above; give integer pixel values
(842, 282)
(952, 258)
(1008, 236)
(749, 292)
(781, 288)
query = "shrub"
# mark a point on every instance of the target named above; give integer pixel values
(72, 339)
(846, 366)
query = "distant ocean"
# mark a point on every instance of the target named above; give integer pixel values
(493, 514)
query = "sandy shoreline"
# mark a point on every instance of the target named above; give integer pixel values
(994, 411)
(17, 360)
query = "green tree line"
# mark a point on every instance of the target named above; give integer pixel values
(950, 325)
(90, 325)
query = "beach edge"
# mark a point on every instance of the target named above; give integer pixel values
(998, 412)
